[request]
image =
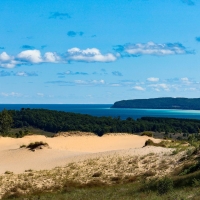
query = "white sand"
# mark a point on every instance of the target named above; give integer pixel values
(63, 150)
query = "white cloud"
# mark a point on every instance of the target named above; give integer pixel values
(35, 57)
(185, 80)
(89, 55)
(31, 56)
(12, 64)
(12, 94)
(98, 82)
(21, 74)
(164, 86)
(7, 61)
(80, 82)
(152, 48)
(139, 88)
(51, 57)
(92, 82)
(157, 87)
(40, 94)
(153, 79)
(4, 57)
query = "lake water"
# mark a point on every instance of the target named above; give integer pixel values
(105, 110)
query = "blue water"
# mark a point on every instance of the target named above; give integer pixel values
(105, 110)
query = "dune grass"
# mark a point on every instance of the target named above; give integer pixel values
(135, 191)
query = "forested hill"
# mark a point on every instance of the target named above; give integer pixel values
(160, 103)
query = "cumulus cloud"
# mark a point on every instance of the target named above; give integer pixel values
(153, 79)
(151, 48)
(137, 87)
(117, 73)
(28, 57)
(34, 56)
(51, 57)
(73, 33)
(89, 55)
(188, 2)
(4, 57)
(59, 15)
(7, 61)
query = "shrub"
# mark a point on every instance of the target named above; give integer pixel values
(147, 133)
(186, 180)
(97, 174)
(34, 145)
(190, 168)
(23, 146)
(164, 185)
(8, 172)
(195, 182)
(151, 143)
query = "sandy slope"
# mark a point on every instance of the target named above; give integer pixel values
(63, 150)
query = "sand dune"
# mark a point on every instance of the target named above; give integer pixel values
(84, 159)
(63, 150)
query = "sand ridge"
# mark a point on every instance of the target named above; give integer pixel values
(63, 150)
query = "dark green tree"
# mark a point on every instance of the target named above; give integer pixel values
(5, 122)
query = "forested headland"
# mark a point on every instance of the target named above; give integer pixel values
(160, 103)
(58, 121)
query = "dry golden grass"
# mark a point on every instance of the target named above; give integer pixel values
(104, 170)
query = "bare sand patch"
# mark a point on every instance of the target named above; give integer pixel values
(63, 150)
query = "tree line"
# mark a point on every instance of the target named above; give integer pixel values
(57, 121)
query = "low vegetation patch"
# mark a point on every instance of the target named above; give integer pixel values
(161, 186)
(147, 133)
(178, 145)
(35, 145)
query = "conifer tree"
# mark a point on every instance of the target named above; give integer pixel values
(5, 122)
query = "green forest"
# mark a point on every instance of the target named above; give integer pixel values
(58, 121)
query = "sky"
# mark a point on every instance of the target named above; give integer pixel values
(98, 52)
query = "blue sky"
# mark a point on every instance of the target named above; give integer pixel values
(58, 51)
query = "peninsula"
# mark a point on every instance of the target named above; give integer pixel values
(160, 103)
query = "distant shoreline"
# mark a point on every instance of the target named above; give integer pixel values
(100, 110)
(160, 103)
